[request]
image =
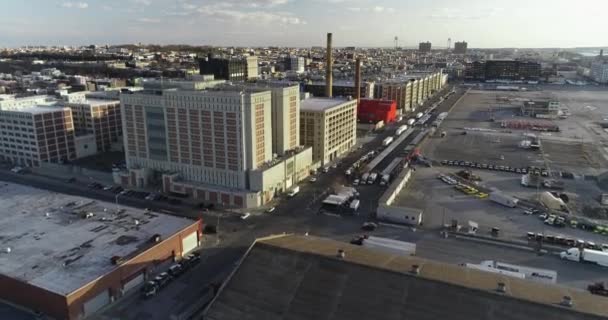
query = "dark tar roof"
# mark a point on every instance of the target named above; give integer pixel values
(301, 277)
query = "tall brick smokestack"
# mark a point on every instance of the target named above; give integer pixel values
(329, 81)
(358, 80)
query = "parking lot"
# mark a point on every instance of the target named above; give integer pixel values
(474, 142)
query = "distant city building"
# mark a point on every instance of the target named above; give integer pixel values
(598, 71)
(215, 145)
(374, 110)
(30, 135)
(329, 126)
(514, 70)
(296, 64)
(252, 67)
(424, 47)
(231, 69)
(460, 47)
(11, 102)
(340, 89)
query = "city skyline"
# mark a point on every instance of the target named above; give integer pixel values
(301, 23)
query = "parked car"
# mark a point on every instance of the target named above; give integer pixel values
(162, 279)
(194, 257)
(271, 210)
(149, 289)
(245, 216)
(313, 179)
(176, 270)
(369, 226)
(356, 182)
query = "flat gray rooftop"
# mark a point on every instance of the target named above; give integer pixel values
(99, 102)
(54, 247)
(320, 104)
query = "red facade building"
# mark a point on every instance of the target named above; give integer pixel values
(375, 110)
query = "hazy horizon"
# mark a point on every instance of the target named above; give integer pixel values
(303, 23)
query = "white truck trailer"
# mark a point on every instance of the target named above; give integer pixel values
(535, 274)
(504, 199)
(586, 255)
(390, 246)
(494, 270)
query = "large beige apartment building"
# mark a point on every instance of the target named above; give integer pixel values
(411, 90)
(215, 145)
(285, 110)
(329, 126)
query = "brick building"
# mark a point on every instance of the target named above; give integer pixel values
(81, 255)
(34, 134)
(375, 110)
(100, 118)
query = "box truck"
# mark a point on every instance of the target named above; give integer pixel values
(586, 255)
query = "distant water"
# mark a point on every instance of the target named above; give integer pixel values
(591, 52)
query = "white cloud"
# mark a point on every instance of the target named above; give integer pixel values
(142, 2)
(459, 14)
(263, 3)
(223, 11)
(376, 9)
(75, 5)
(148, 20)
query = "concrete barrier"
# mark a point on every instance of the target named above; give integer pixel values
(65, 171)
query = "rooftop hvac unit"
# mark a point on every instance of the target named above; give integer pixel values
(116, 260)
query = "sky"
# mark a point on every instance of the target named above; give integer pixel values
(303, 23)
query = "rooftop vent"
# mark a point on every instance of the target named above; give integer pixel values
(116, 260)
(415, 269)
(566, 301)
(341, 254)
(502, 287)
(155, 238)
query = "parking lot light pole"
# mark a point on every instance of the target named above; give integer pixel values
(116, 197)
